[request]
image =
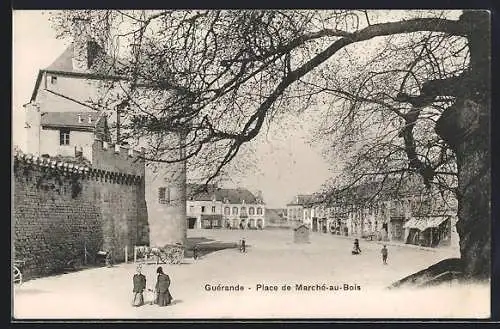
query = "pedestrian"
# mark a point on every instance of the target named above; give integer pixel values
(163, 296)
(243, 245)
(195, 252)
(139, 281)
(384, 254)
(109, 258)
(356, 250)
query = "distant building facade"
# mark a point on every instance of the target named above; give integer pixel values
(296, 209)
(214, 207)
(405, 216)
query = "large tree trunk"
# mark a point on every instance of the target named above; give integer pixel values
(466, 127)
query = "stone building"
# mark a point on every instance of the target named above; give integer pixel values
(299, 209)
(62, 117)
(214, 207)
(399, 212)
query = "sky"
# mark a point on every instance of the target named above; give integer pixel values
(286, 164)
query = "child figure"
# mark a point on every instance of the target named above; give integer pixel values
(356, 250)
(384, 254)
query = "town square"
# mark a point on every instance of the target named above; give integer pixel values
(272, 259)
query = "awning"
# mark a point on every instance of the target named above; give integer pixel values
(423, 223)
(436, 221)
(418, 223)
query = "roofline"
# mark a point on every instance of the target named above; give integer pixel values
(74, 74)
(71, 127)
(37, 84)
(97, 76)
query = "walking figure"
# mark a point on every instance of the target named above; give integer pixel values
(195, 251)
(356, 250)
(243, 245)
(384, 254)
(109, 259)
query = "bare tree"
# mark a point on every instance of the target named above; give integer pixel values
(227, 72)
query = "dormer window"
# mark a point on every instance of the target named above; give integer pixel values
(90, 119)
(80, 119)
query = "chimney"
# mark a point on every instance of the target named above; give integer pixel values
(81, 43)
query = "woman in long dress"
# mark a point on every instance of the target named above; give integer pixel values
(139, 281)
(163, 296)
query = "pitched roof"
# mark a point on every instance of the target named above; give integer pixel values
(199, 192)
(237, 195)
(69, 119)
(101, 63)
(301, 226)
(103, 66)
(302, 199)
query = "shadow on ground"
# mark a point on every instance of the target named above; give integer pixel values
(206, 246)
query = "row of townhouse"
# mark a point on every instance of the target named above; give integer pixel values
(406, 216)
(214, 207)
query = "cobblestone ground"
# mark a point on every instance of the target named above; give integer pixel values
(272, 260)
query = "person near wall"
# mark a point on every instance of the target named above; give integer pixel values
(109, 258)
(139, 281)
(384, 253)
(163, 296)
(356, 250)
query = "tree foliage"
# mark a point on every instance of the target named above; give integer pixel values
(229, 73)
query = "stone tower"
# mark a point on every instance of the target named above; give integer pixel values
(166, 200)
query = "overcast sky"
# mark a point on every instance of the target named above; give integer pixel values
(286, 164)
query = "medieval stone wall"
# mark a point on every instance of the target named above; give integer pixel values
(61, 209)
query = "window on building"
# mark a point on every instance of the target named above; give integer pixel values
(213, 209)
(243, 210)
(163, 195)
(202, 208)
(259, 211)
(251, 211)
(191, 209)
(235, 210)
(64, 137)
(53, 80)
(227, 210)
